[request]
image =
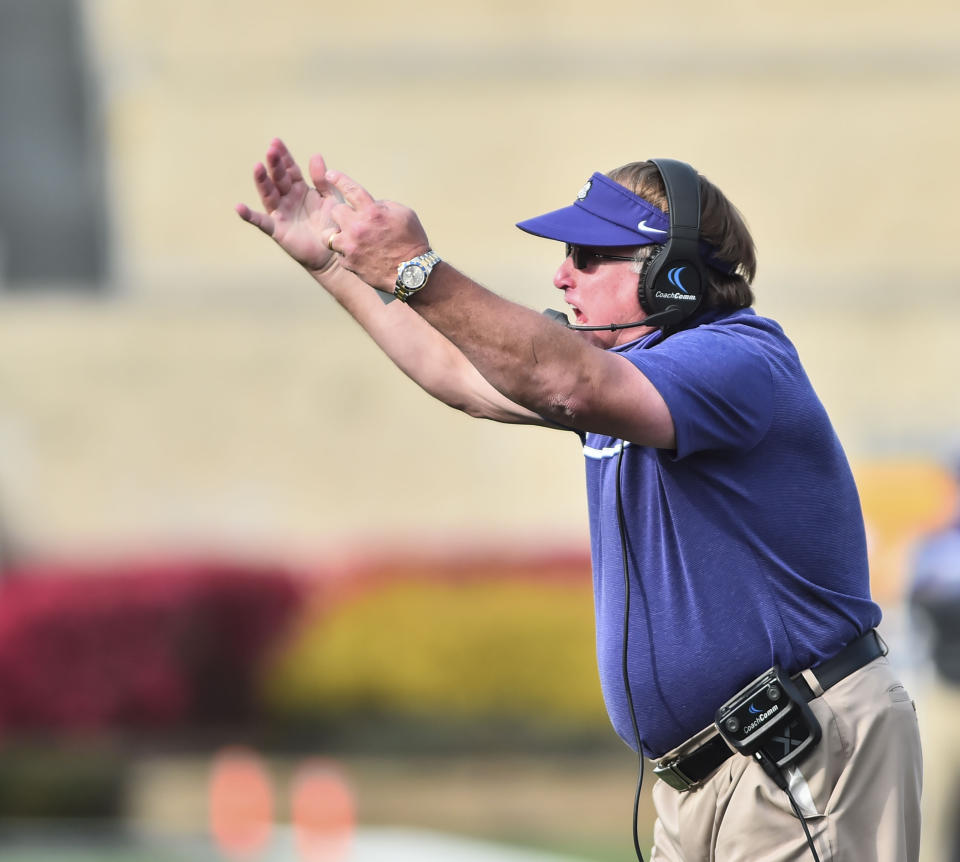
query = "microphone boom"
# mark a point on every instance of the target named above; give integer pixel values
(660, 320)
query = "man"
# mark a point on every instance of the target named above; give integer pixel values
(724, 518)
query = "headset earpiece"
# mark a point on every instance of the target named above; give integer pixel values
(673, 280)
(644, 269)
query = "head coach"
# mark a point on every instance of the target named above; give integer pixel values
(735, 630)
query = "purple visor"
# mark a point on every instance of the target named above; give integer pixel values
(604, 214)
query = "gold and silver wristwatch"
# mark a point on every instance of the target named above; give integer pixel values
(412, 274)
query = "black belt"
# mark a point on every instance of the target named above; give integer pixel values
(686, 772)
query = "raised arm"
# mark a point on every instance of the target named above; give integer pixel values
(297, 216)
(550, 370)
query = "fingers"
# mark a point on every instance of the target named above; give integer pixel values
(290, 166)
(318, 175)
(318, 169)
(284, 173)
(266, 188)
(279, 163)
(257, 219)
(353, 193)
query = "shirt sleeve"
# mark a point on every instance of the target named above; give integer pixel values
(718, 386)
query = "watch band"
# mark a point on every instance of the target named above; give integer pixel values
(405, 288)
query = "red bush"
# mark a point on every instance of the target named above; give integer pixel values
(156, 645)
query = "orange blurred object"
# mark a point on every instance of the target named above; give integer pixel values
(323, 811)
(241, 803)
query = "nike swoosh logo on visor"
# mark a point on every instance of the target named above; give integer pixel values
(642, 226)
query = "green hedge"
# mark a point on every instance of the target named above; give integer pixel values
(53, 782)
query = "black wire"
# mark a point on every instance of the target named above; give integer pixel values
(803, 823)
(776, 773)
(621, 524)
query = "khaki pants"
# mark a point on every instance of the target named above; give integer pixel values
(859, 790)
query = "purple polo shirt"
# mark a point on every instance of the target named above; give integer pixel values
(746, 545)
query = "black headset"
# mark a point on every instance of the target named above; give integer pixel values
(673, 280)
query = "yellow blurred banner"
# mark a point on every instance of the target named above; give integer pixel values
(902, 499)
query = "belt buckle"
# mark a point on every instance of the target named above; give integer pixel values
(674, 776)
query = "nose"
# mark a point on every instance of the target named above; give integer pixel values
(563, 278)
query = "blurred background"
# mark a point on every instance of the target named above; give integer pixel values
(241, 552)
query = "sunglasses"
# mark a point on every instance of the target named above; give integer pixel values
(583, 256)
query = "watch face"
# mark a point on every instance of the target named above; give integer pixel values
(413, 276)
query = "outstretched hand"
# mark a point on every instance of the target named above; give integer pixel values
(373, 236)
(297, 215)
(335, 220)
